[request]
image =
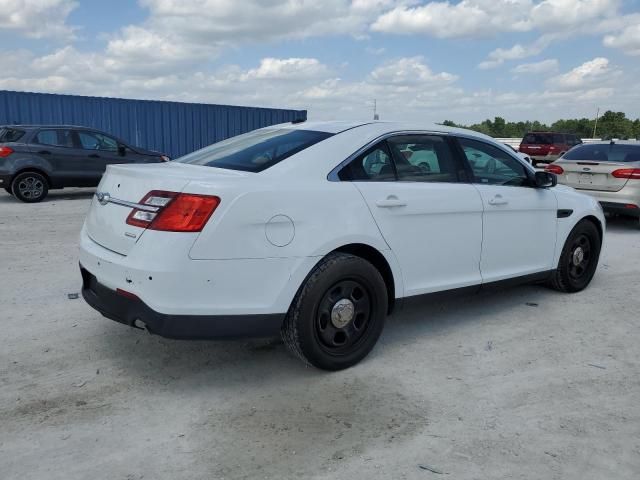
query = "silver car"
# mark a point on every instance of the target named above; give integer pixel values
(608, 171)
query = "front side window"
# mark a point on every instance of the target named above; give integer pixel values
(255, 151)
(375, 165)
(97, 141)
(493, 166)
(55, 138)
(423, 158)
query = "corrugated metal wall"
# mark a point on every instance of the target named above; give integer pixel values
(170, 127)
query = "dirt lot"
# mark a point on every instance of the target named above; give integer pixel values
(526, 383)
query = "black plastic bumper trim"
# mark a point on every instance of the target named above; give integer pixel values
(127, 310)
(620, 208)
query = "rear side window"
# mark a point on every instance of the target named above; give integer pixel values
(255, 151)
(604, 153)
(374, 165)
(423, 158)
(558, 138)
(55, 138)
(537, 138)
(10, 135)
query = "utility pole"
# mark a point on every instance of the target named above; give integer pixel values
(595, 126)
(375, 110)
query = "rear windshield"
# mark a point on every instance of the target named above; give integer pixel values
(542, 138)
(255, 151)
(604, 153)
(10, 134)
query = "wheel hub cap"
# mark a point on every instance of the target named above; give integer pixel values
(578, 256)
(342, 313)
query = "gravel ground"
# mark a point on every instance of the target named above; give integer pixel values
(525, 383)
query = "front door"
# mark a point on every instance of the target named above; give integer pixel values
(519, 222)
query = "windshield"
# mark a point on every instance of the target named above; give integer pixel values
(255, 151)
(605, 153)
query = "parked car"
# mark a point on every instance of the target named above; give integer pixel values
(35, 159)
(546, 147)
(608, 171)
(524, 156)
(319, 230)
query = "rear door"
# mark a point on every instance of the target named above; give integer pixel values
(429, 218)
(519, 221)
(57, 146)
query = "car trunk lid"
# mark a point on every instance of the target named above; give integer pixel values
(590, 175)
(124, 186)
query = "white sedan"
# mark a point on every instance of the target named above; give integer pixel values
(319, 229)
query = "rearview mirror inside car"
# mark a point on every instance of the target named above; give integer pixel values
(545, 180)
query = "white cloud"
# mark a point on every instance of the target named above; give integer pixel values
(628, 40)
(37, 18)
(409, 71)
(589, 73)
(288, 69)
(544, 66)
(447, 20)
(477, 18)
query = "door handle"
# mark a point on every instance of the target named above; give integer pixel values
(94, 155)
(498, 200)
(44, 152)
(391, 202)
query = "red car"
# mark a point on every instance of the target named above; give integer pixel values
(547, 147)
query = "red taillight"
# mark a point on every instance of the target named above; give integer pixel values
(557, 169)
(174, 212)
(628, 173)
(5, 151)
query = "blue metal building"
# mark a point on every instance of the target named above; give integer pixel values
(173, 128)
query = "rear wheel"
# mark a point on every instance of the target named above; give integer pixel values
(338, 313)
(30, 187)
(579, 258)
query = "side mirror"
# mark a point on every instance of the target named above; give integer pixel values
(545, 180)
(122, 150)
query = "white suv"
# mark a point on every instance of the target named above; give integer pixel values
(317, 229)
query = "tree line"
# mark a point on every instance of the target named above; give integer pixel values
(610, 125)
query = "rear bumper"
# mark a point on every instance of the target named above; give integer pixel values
(617, 202)
(544, 158)
(620, 208)
(5, 180)
(130, 310)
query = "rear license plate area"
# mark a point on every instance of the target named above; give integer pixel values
(585, 179)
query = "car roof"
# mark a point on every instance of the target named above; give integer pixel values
(380, 126)
(635, 143)
(32, 127)
(559, 133)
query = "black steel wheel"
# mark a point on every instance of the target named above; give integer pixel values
(578, 259)
(30, 187)
(338, 313)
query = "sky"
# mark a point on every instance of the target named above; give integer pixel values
(419, 60)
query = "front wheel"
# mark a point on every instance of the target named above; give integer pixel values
(338, 314)
(578, 259)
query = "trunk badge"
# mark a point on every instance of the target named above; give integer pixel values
(103, 197)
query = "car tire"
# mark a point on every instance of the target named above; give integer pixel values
(30, 187)
(578, 259)
(338, 313)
